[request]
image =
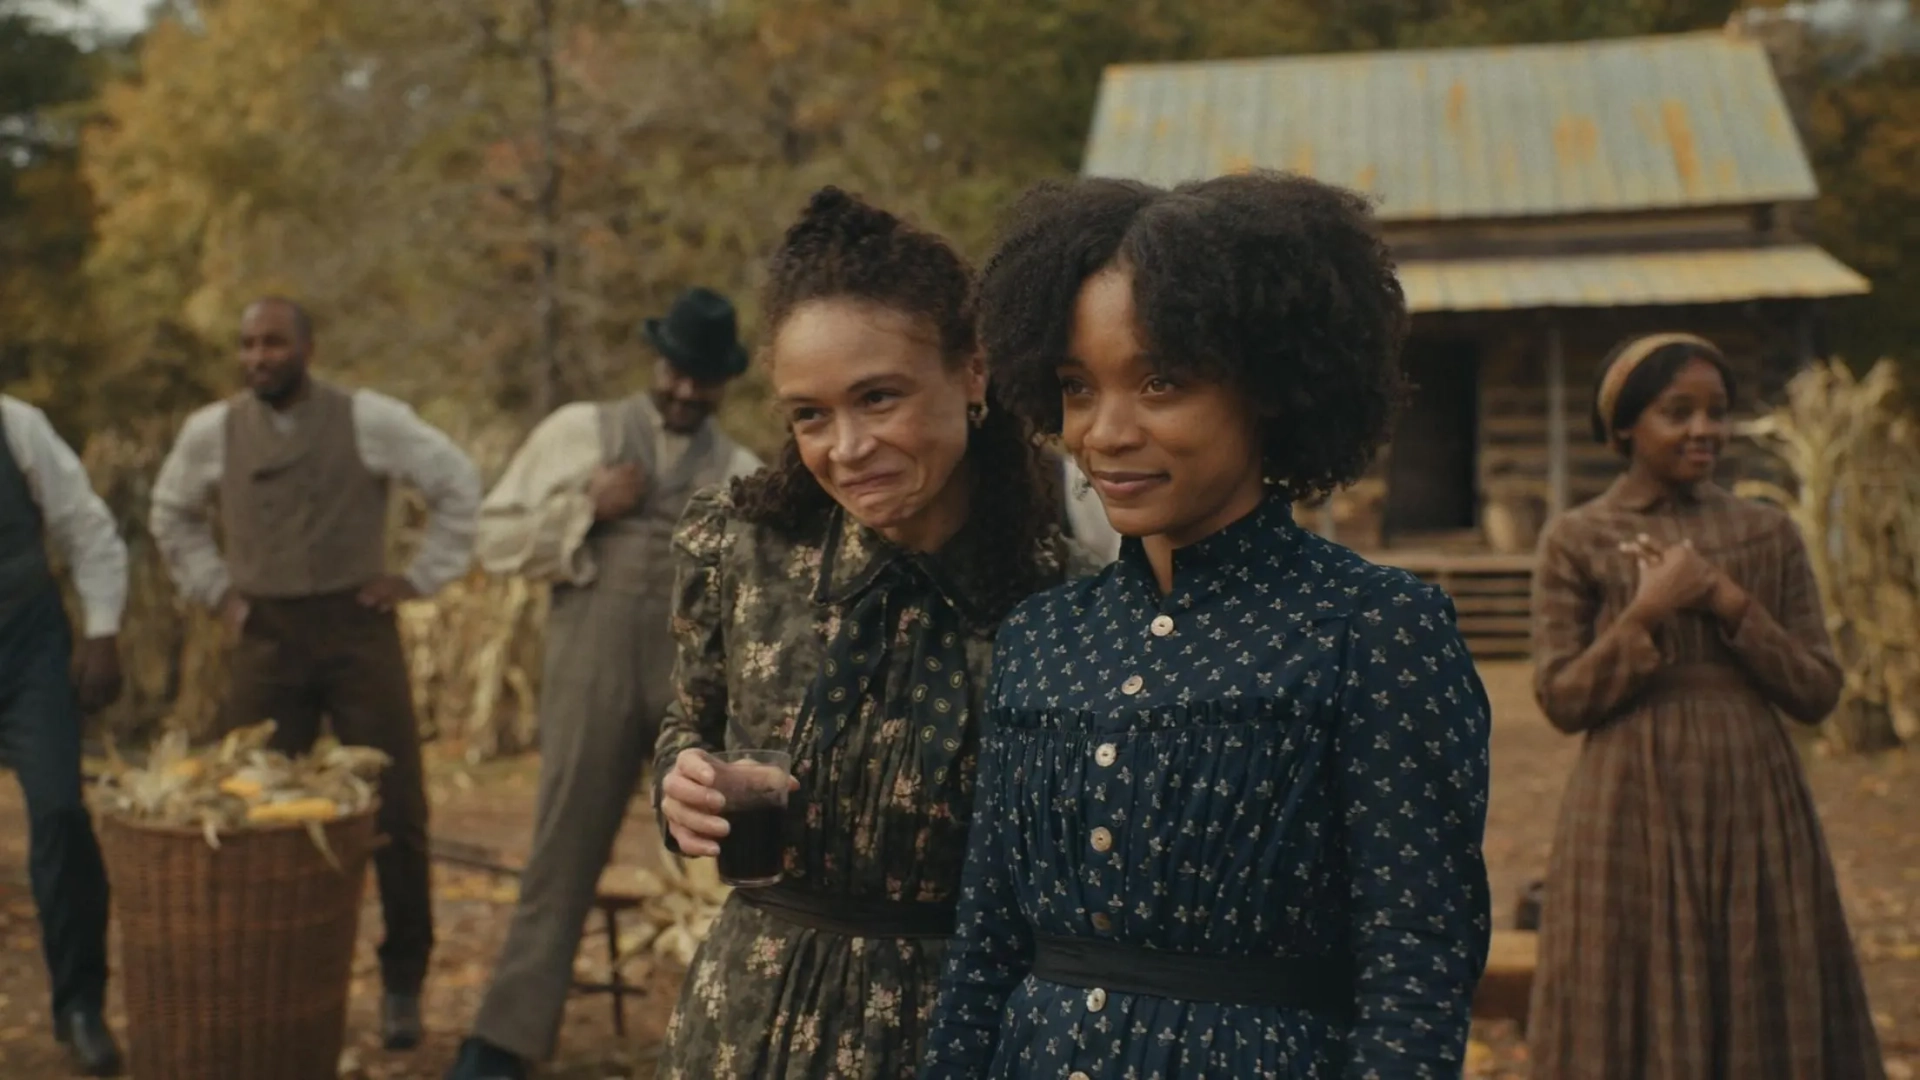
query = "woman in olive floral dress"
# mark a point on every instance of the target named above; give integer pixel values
(842, 606)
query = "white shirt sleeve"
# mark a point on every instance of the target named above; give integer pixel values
(535, 520)
(183, 497)
(75, 516)
(1089, 516)
(394, 442)
(743, 463)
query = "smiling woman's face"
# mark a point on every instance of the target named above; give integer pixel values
(1172, 458)
(1679, 436)
(879, 417)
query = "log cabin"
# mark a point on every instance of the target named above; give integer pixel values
(1542, 202)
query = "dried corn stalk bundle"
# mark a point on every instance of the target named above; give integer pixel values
(1854, 451)
(474, 649)
(239, 784)
(681, 900)
(474, 654)
(174, 662)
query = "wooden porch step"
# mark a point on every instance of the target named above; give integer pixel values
(1507, 987)
(1492, 595)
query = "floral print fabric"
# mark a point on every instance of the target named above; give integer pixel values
(1284, 756)
(755, 616)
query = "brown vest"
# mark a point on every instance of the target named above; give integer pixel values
(634, 554)
(303, 515)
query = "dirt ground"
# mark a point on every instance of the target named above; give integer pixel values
(1870, 810)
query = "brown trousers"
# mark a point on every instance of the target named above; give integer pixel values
(300, 659)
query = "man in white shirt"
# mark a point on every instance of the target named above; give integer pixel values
(589, 503)
(45, 686)
(300, 472)
(1085, 516)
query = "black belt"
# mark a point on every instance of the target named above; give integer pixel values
(850, 916)
(1317, 984)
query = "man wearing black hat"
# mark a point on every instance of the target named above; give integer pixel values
(589, 503)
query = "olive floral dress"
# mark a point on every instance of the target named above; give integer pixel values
(1280, 764)
(776, 651)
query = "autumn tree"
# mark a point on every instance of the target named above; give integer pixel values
(1864, 132)
(46, 216)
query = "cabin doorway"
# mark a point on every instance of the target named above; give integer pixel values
(1432, 468)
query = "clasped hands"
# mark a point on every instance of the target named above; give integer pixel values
(1675, 578)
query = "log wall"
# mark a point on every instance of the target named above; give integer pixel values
(1761, 343)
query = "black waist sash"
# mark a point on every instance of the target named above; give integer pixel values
(1315, 983)
(851, 916)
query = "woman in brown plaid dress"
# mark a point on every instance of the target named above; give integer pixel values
(1691, 928)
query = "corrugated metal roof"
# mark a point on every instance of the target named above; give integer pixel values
(1623, 124)
(1697, 277)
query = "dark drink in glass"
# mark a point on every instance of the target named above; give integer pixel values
(750, 855)
(755, 785)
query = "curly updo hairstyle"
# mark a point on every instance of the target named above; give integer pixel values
(1275, 284)
(843, 248)
(1645, 383)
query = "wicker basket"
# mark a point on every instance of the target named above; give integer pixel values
(236, 962)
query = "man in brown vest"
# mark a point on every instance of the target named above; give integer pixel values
(590, 503)
(300, 472)
(44, 493)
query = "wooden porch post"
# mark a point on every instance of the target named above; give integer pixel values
(1803, 336)
(1556, 419)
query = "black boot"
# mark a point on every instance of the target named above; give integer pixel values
(400, 1021)
(481, 1060)
(86, 1037)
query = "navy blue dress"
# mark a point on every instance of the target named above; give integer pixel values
(1286, 756)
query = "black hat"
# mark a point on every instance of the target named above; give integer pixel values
(700, 336)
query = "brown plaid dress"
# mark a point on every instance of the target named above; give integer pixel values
(1691, 929)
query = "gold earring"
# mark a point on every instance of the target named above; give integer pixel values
(977, 413)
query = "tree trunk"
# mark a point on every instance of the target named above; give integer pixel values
(550, 388)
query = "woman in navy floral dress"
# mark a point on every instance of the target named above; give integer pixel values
(1231, 800)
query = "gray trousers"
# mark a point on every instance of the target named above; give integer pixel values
(608, 672)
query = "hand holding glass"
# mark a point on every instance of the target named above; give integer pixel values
(731, 805)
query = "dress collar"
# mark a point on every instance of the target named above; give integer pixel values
(1266, 534)
(1630, 492)
(854, 557)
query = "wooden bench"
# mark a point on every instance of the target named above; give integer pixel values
(611, 897)
(1507, 987)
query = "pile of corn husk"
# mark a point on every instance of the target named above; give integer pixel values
(681, 900)
(239, 784)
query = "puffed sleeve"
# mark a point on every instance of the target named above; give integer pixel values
(992, 950)
(1412, 754)
(697, 713)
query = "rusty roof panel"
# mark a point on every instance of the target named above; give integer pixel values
(1618, 125)
(1800, 271)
